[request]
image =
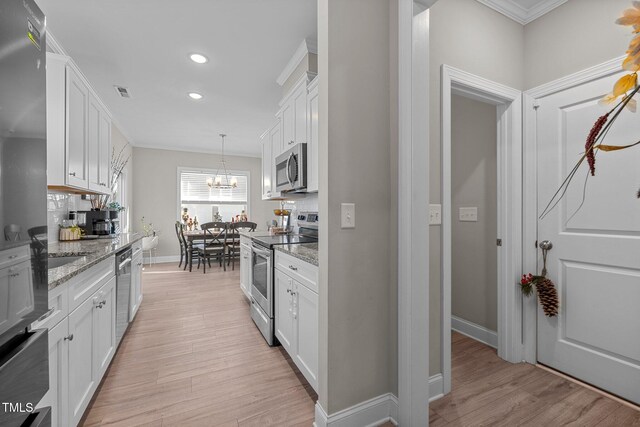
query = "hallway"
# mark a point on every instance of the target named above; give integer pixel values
(487, 391)
(193, 357)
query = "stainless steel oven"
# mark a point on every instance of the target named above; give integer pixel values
(291, 169)
(262, 290)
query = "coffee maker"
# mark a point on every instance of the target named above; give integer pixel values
(97, 223)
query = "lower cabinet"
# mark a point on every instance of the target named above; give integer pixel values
(91, 347)
(296, 313)
(245, 269)
(56, 397)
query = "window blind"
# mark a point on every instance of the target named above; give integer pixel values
(194, 188)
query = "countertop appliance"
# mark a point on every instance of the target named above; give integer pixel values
(262, 291)
(123, 292)
(24, 353)
(291, 169)
(97, 223)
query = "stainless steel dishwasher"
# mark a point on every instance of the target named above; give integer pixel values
(123, 292)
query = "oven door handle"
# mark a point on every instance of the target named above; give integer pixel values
(124, 263)
(265, 253)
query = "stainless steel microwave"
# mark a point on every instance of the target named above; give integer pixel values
(291, 169)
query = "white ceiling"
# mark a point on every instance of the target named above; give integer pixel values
(144, 46)
(523, 11)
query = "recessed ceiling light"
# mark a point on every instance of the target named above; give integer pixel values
(195, 95)
(198, 58)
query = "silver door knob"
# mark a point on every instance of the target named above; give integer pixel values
(72, 173)
(69, 338)
(546, 245)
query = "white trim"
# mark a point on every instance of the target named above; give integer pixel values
(475, 331)
(307, 46)
(530, 189)
(413, 202)
(55, 45)
(436, 387)
(305, 79)
(509, 108)
(161, 259)
(370, 413)
(521, 14)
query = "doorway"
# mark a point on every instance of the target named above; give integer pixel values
(506, 103)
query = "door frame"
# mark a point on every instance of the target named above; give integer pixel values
(509, 151)
(531, 258)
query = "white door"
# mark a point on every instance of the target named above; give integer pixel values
(284, 309)
(93, 143)
(305, 323)
(76, 130)
(104, 328)
(104, 148)
(312, 139)
(595, 260)
(56, 397)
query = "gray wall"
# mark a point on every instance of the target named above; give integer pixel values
(474, 183)
(577, 35)
(354, 100)
(155, 190)
(459, 38)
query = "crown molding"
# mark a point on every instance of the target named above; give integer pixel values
(227, 153)
(520, 14)
(307, 46)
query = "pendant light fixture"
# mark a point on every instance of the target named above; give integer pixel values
(222, 181)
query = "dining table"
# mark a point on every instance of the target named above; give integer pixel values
(195, 236)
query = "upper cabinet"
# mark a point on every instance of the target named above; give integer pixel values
(312, 137)
(78, 130)
(271, 141)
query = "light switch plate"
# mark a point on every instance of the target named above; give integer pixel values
(435, 214)
(468, 214)
(348, 215)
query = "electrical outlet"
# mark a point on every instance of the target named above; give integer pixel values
(435, 214)
(348, 215)
(468, 214)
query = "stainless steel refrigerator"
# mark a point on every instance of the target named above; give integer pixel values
(24, 367)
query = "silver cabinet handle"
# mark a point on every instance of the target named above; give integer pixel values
(69, 338)
(72, 174)
(47, 314)
(291, 267)
(288, 291)
(14, 275)
(13, 256)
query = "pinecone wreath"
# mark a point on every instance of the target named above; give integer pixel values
(548, 297)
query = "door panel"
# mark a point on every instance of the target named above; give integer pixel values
(284, 309)
(306, 333)
(77, 108)
(81, 356)
(594, 261)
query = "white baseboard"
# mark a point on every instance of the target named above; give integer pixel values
(477, 332)
(436, 387)
(370, 413)
(161, 259)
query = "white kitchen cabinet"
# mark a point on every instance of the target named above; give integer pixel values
(293, 116)
(83, 378)
(245, 269)
(296, 313)
(286, 116)
(284, 310)
(56, 397)
(104, 331)
(312, 137)
(78, 130)
(136, 281)
(305, 332)
(270, 140)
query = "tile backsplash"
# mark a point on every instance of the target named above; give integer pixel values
(58, 207)
(308, 203)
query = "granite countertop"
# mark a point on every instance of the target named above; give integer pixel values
(307, 252)
(257, 233)
(4, 245)
(90, 252)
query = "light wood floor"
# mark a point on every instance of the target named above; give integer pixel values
(487, 391)
(193, 357)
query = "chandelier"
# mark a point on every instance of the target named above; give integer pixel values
(222, 181)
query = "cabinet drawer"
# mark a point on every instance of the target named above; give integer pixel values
(58, 309)
(303, 272)
(136, 248)
(88, 282)
(14, 256)
(244, 240)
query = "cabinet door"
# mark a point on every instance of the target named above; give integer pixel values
(267, 159)
(284, 310)
(287, 124)
(104, 328)
(93, 144)
(56, 397)
(82, 378)
(5, 319)
(305, 321)
(20, 290)
(275, 137)
(299, 105)
(136, 286)
(245, 272)
(77, 101)
(312, 140)
(104, 148)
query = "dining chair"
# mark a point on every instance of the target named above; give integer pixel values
(232, 242)
(12, 232)
(214, 237)
(190, 249)
(39, 244)
(183, 252)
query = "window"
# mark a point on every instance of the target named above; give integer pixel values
(203, 202)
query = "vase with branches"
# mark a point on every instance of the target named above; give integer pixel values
(118, 163)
